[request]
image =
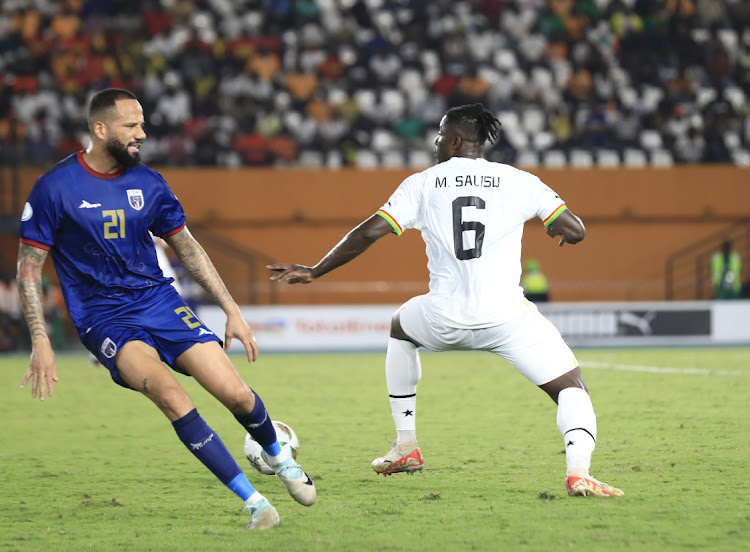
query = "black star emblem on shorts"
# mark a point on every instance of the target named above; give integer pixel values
(570, 443)
(408, 412)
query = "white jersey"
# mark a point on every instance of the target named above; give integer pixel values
(471, 213)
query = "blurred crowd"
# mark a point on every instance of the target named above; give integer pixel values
(364, 83)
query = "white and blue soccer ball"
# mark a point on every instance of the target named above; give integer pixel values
(287, 439)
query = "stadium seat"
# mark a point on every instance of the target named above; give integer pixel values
(395, 101)
(732, 140)
(528, 159)
(517, 138)
(741, 158)
(366, 159)
(661, 158)
(554, 159)
(392, 159)
(728, 38)
(419, 159)
(543, 140)
(705, 95)
(581, 159)
(334, 160)
(509, 120)
(736, 96)
(383, 140)
(310, 158)
(650, 140)
(651, 96)
(628, 96)
(635, 158)
(542, 78)
(607, 159)
(533, 120)
(505, 59)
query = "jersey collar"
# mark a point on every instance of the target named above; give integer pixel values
(106, 176)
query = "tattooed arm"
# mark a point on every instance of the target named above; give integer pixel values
(42, 366)
(196, 262)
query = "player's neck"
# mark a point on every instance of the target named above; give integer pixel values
(469, 155)
(101, 161)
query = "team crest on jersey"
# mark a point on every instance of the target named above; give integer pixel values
(135, 198)
(109, 348)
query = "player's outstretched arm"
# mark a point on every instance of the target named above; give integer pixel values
(42, 369)
(354, 244)
(196, 262)
(569, 227)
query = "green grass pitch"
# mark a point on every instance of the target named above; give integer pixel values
(97, 467)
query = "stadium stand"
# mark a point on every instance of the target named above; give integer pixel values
(332, 83)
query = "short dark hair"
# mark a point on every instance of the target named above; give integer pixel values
(473, 120)
(105, 99)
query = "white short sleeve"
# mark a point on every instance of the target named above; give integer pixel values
(403, 208)
(549, 203)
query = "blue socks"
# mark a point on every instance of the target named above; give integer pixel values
(207, 447)
(259, 425)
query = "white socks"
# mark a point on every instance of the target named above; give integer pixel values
(403, 371)
(577, 423)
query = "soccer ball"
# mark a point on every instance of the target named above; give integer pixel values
(287, 439)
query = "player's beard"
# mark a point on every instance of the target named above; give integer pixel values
(120, 154)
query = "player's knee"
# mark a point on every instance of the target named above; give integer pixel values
(396, 331)
(173, 401)
(567, 380)
(238, 399)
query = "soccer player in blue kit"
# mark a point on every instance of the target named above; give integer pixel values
(93, 212)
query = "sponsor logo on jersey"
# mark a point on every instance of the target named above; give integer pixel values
(204, 331)
(86, 205)
(135, 198)
(108, 348)
(27, 212)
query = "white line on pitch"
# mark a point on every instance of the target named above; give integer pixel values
(660, 369)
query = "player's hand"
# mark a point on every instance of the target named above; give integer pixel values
(551, 234)
(42, 372)
(291, 273)
(237, 327)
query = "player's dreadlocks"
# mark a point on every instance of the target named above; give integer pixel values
(474, 120)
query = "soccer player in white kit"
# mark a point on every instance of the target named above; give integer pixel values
(471, 213)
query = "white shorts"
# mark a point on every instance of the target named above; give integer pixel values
(530, 342)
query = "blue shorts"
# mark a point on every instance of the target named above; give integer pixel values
(166, 323)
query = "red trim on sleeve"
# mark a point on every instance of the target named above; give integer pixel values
(35, 244)
(175, 231)
(106, 176)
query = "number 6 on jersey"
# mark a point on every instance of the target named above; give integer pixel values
(460, 226)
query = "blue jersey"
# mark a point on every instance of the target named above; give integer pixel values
(96, 227)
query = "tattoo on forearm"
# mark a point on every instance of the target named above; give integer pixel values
(145, 385)
(29, 281)
(197, 263)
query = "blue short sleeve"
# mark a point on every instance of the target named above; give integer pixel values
(168, 214)
(41, 214)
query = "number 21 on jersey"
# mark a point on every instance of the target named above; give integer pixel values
(114, 223)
